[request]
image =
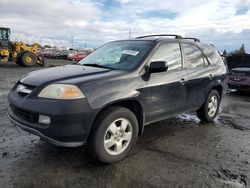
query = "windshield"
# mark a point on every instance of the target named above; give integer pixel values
(4, 35)
(121, 55)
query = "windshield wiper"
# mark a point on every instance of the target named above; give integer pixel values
(96, 65)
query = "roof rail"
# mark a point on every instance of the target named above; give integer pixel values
(191, 38)
(161, 35)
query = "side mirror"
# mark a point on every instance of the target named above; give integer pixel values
(158, 66)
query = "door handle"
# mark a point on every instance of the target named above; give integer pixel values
(182, 81)
(210, 76)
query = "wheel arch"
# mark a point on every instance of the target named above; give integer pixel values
(218, 88)
(133, 105)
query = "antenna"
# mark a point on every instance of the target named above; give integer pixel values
(72, 41)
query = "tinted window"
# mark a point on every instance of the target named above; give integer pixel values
(193, 55)
(171, 54)
(212, 54)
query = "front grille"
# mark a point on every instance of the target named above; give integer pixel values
(25, 115)
(23, 90)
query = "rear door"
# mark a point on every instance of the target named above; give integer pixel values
(166, 91)
(199, 76)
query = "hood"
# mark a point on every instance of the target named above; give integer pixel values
(241, 69)
(55, 74)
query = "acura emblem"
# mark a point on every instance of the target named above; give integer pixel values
(22, 89)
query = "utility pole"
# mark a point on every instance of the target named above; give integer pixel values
(41, 41)
(72, 41)
(129, 33)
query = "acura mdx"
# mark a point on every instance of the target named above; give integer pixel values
(106, 99)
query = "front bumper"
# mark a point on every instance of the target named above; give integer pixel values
(70, 124)
(38, 133)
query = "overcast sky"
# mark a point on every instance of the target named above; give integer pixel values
(225, 23)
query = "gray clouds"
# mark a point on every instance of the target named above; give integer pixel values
(222, 22)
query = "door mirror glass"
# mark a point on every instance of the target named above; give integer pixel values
(158, 66)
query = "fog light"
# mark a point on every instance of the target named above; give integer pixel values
(44, 119)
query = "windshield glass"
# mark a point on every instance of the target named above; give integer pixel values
(121, 55)
(4, 34)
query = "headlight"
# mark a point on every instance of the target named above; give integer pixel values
(61, 91)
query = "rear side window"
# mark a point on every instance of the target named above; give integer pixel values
(170, 53)
(212, 54)
(193, 56)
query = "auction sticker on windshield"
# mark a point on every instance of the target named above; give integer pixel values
(130, 52)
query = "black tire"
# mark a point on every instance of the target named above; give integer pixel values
(100, 131)
(203, 112)
(27, 59)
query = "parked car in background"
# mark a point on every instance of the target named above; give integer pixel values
(239, 72)
(76, 57)
(64, 54)
(106, 99)
(47, 54)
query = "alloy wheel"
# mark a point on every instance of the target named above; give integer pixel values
(118, 136)
(212, 106)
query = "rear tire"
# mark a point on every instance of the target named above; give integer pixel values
(114, 133)
(209, 110)
(27, 59)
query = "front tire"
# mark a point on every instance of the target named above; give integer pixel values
(114, 133)
(210, 108)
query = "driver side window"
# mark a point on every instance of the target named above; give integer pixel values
(171, 54)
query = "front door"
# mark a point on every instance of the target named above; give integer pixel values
(166, 91)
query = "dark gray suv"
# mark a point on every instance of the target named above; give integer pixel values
(106, 99)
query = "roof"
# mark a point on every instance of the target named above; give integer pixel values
(168, 38)
(162, 39)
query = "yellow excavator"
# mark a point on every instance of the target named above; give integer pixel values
(22, 54)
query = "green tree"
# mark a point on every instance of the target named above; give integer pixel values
(224, 53)
(242, 49)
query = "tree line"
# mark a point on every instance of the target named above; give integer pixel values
(241, 50)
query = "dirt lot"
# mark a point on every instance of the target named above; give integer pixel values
(178, 152)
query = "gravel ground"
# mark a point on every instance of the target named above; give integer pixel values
(178, 152)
